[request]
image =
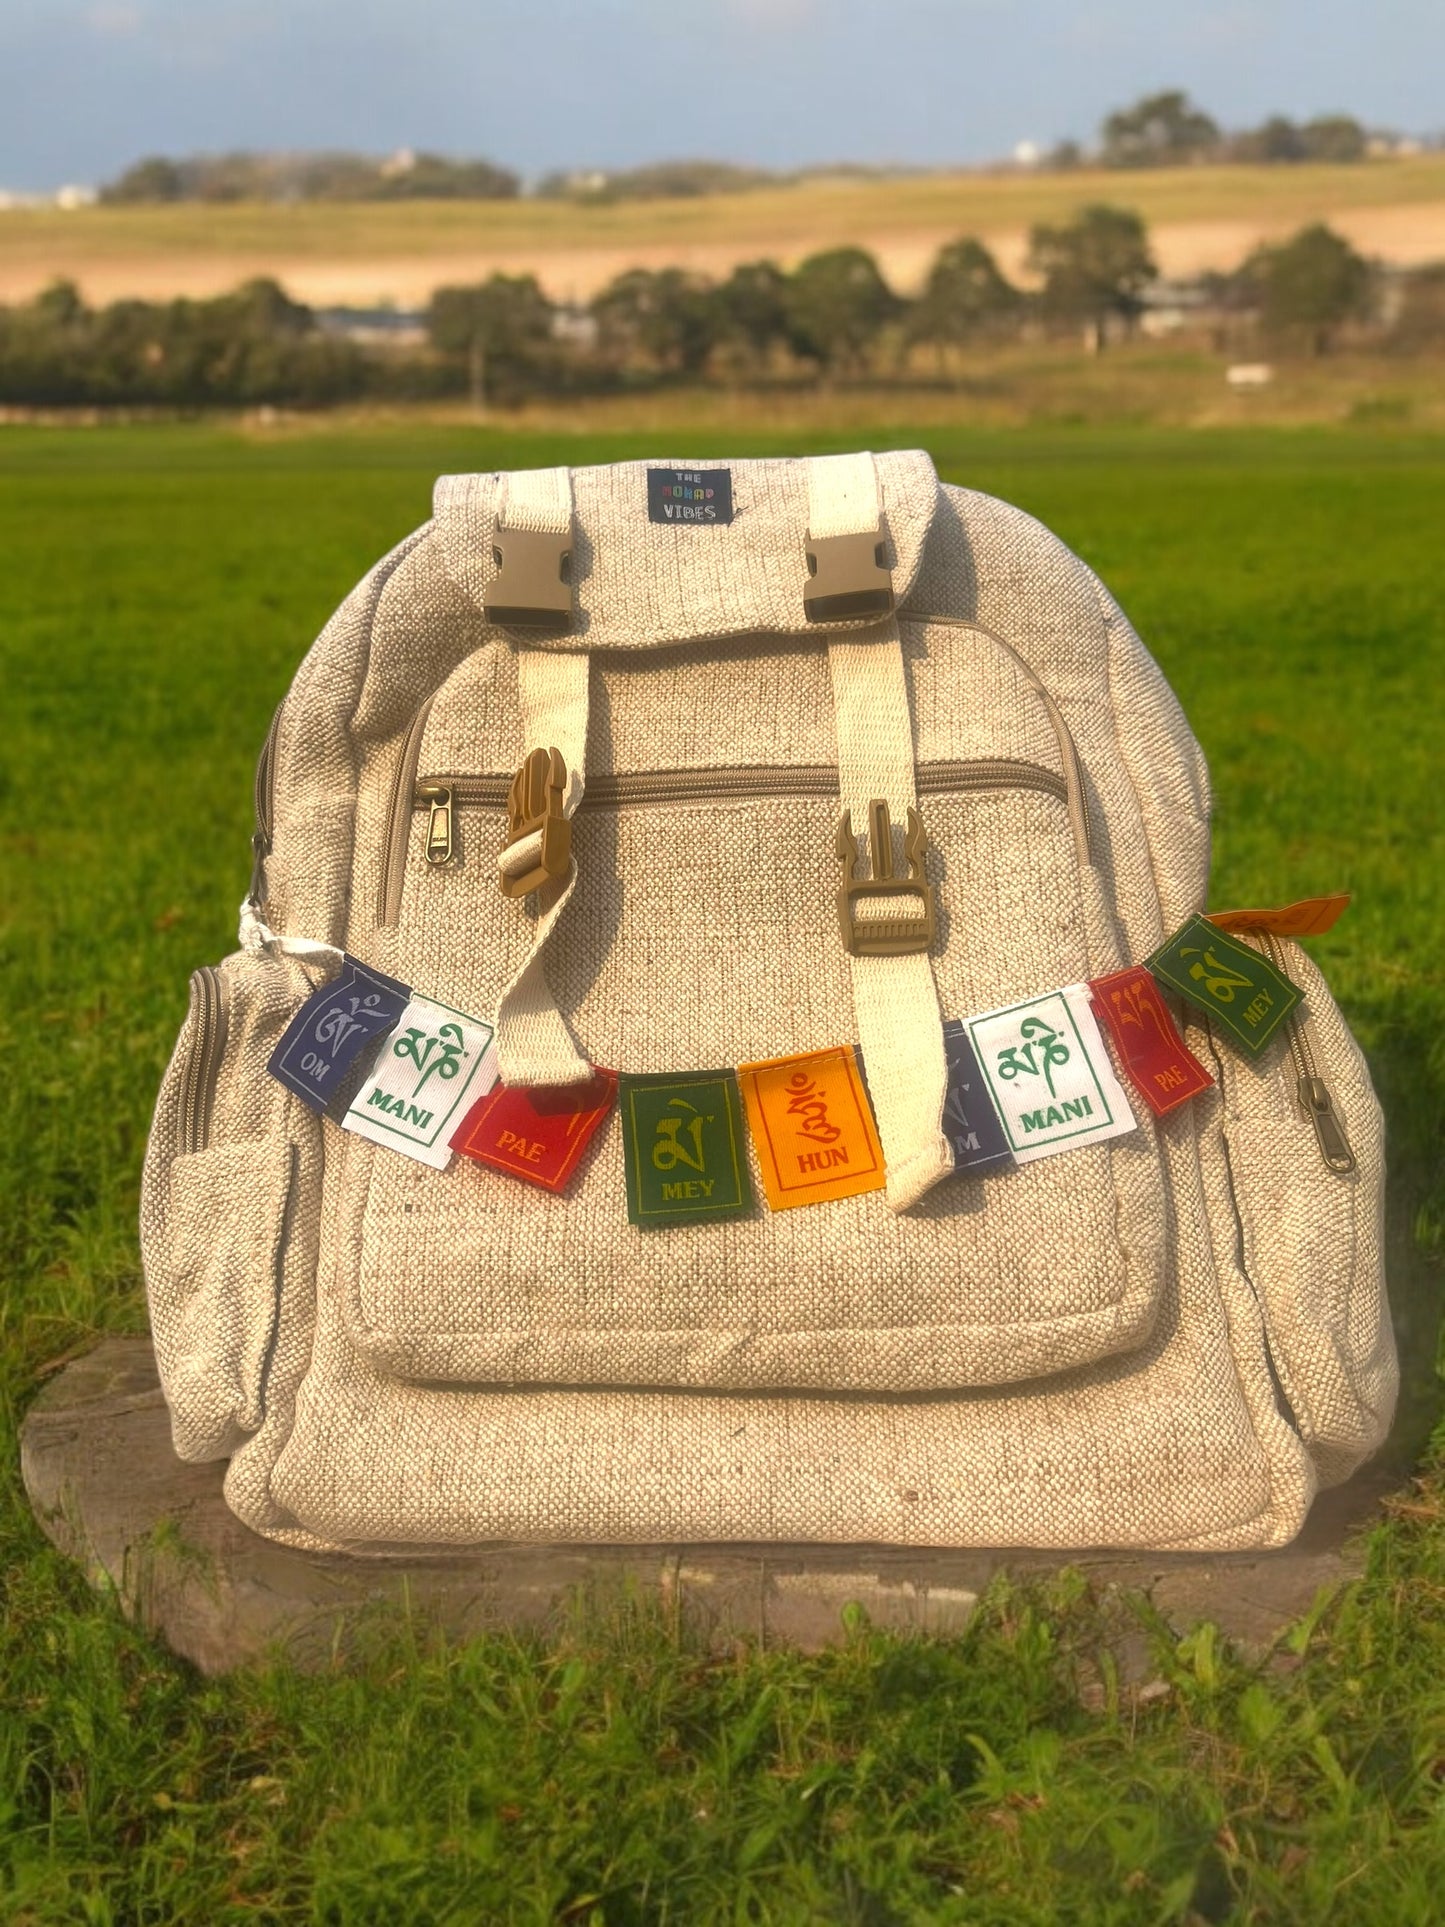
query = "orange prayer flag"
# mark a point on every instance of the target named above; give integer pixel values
(812, 1127)
(1310, 917)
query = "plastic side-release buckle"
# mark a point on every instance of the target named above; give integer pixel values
(897, 936)
(847, 576)
(534, 809)
(531, 589)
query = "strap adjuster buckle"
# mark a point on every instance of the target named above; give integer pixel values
(847, 576)
(534, 806)
(531, 589)
(897, 936)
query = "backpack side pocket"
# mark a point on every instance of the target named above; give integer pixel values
(229, 1202)
(1305, 1140)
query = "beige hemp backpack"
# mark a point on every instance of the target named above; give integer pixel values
(1168, 1337)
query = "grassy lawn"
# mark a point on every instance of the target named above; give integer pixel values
(160, 585)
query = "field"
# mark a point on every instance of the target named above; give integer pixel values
(1201, 217)
(161, 582)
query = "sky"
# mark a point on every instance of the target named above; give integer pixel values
(87, 86)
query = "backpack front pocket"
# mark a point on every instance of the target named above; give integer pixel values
(704, 932)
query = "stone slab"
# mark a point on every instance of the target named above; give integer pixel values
(109, 1491)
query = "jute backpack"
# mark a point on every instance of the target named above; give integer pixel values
(671, 771)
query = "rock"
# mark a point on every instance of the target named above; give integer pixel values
(109, 1491)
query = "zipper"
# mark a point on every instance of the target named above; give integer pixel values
(1077, 791)
(1311, 1090)
(442, 796)
(209, 1010)
(1282, 1397)
(400, 804)
(265, 806)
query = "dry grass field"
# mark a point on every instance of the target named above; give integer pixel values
(1202, 217)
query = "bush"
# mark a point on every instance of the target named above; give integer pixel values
(255, 345)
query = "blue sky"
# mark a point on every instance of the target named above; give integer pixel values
(88, 85)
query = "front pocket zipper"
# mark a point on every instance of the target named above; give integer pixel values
(443, 795)
(209, 1015)
(265, 799)
(1311, 1090)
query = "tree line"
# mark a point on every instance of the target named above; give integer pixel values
(1165, 129)
(833, 315)
(404, 176)
(1168, 129)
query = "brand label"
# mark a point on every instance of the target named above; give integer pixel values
(1240, 989)
(1161, 1066)
(438, 1062)
(1049, 1075)
(683, 1148)
(1310, 917)
(970, 1122)
(539, 1135)
(332, 1028)
(689, 495)
(812, 1128)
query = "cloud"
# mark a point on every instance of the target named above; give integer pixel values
(114, 21)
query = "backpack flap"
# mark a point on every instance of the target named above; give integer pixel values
(640, 581)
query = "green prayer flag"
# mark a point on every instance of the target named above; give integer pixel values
(684, 1147)
(1237, 987)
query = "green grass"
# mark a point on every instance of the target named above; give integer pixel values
(159, 587)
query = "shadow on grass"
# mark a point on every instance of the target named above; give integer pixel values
(1407, 1063)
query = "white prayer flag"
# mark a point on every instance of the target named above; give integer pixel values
(435, 1064)
(1050, 1074)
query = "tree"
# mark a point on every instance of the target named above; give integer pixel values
(1159, 131)
(1093, 270)
(966, 296)
(1329, 137)
(1310, 286)
(669, 316)
(838, 304)
(60, 306)
(262, 309)
(498, 327)
(435, 177)
(1334, 137)
(752, 308)
(154, 179)
(1421, 322)
(1276, 139)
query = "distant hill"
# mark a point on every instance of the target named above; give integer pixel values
(362, 253)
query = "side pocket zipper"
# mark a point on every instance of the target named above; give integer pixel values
(1312, 1092)
(210, 1014)
(265, 800)
(1241, 1254)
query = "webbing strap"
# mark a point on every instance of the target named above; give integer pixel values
(895, 999)
(534, 1046)
(843, 495)
(539, 499)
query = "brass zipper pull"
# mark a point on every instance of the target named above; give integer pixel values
(1318, 1106)
(440, 846)
(1310, 1088)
